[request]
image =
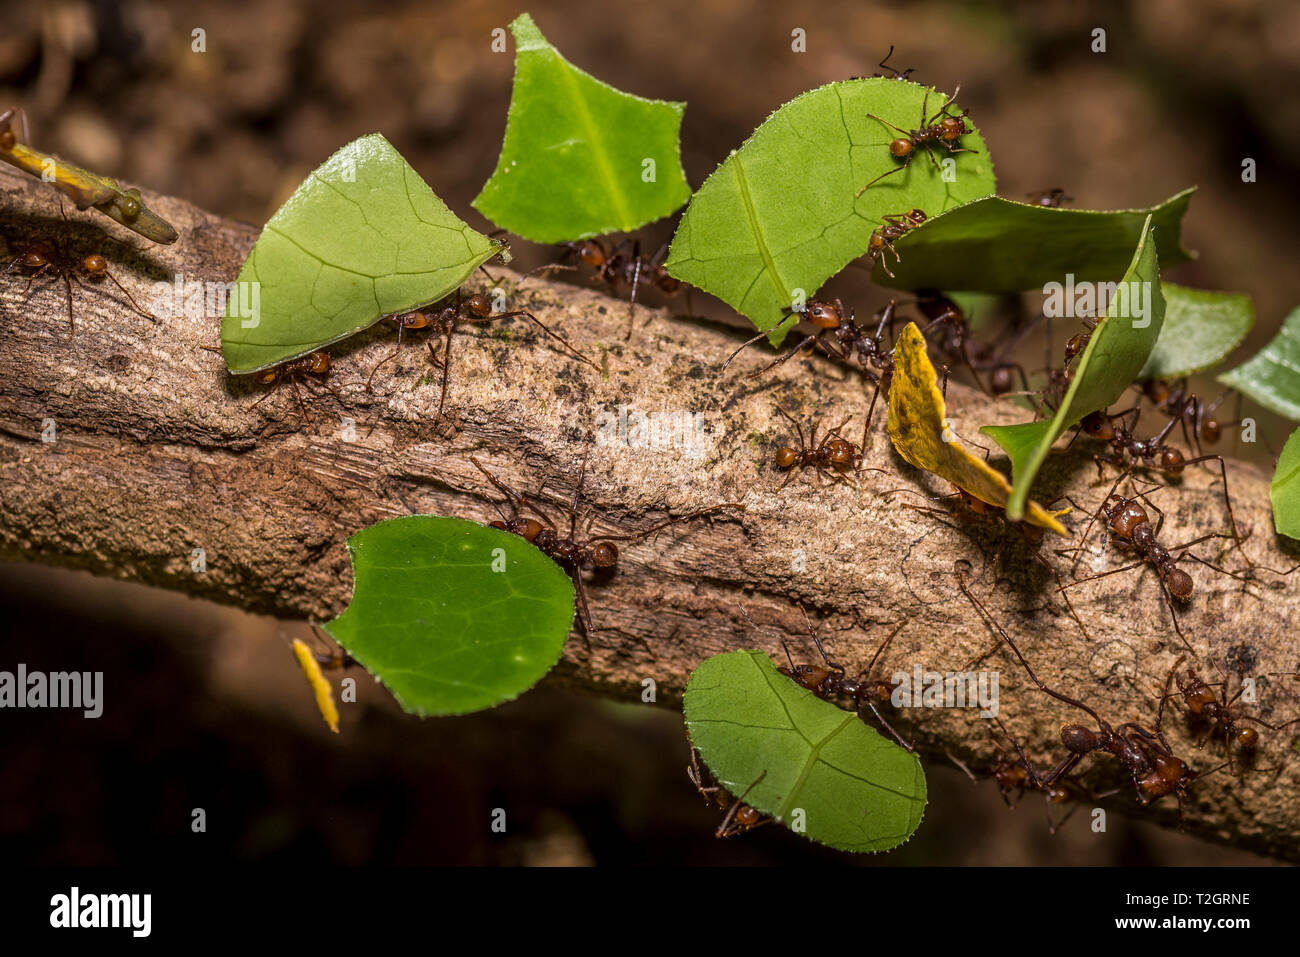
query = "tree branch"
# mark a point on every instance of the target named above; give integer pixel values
(158, 453)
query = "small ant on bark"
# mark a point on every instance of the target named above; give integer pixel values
(570, 552)
(474, 309)
(1126, 522)
(946, 133)
(740, 817)
(1130, 452)
(614, 266)
(830, 679)
(1145, 754)
(1176, 401)
(882, 240)
(1218, 711)
(834, 456)
(1050, 198)
(840, 337)
(40, 259)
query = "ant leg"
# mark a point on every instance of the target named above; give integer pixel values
(784, 358)
(885, 724)
(636, 281)
(554, 335)
(1227, 499)
(143, 312)
(401, 327)
(446, 366)
(736, 805)
(67, 284)
(889, 172)
(1088, 531)
(587, 627)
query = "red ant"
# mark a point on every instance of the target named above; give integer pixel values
(882, 240)
(476, 308)
(840, 337)
(1130, 452)
(615, 266)
(1217, 710)
(1126, 521)
(945, 133)
(1155, 770)
(833, 456)
(1051, 198)
(740, 817)
(39, 258)
(571, 553)
(830, 680)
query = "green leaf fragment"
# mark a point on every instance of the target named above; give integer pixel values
(1201, 327)
(1285, 490)
(857, 790)
(580, 158)
(779, 216)
(453, 616)
(997, 245)
(1272, 376)
(1116, 353)
(363, 237)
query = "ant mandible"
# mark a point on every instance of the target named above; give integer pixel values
(570, 552)
(882, 239)
(1145, 754)
(475, 308)
(945, 133)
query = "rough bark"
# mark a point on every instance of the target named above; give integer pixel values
(158, 452)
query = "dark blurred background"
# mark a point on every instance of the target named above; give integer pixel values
(205, 707)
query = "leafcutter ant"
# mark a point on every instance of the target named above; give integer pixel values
(835, 456)
(946, 133)
(840, 337)
(1225, 721)
(830, 680)
(1176, 401)
(570, 552)
(1051, 198)
(895, 226)
(475, 308)
(1145, 754)
(617, 265)
(740, 817)
(41, 259)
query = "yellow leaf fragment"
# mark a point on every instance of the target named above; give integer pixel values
(919, 429)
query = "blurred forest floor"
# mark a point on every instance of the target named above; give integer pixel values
(213, 713)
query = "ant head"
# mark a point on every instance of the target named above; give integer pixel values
(1156, 391)
(1098, 425)
(1180, 584)
(604, 555)
(953, 127)
(822, 314)
(786, 457)
(1248, 739)
(318, 363)
(842, 451)
(810, 676)
(592, 253)
(1079, 740)
(1127, 517)
(916, 216)
(1000, 381)
(529, 529)
(901, 148)
(1076, 344)
(268, 376)
(95, 264)
(1171, 461)
(748, 817)
(478, 305)
(1211, 431)
(34, 256)
(414, 320)
(1169, 775)
(7, 139)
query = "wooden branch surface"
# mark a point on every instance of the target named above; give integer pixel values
(158, 452)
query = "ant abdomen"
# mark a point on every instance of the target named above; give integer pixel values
(604, 556)
(1180, 584)
(900, 148)
(1079, 740)
(786, 457)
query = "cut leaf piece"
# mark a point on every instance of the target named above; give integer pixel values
(779, 217)
(919, 429)
(996, 245)
(1201, 327)
(1272, 376)
(857, 791)
(321, 689)
(363, 237)
(1117, 350)
(580, 158)
(1285, 491)
(453, 616)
